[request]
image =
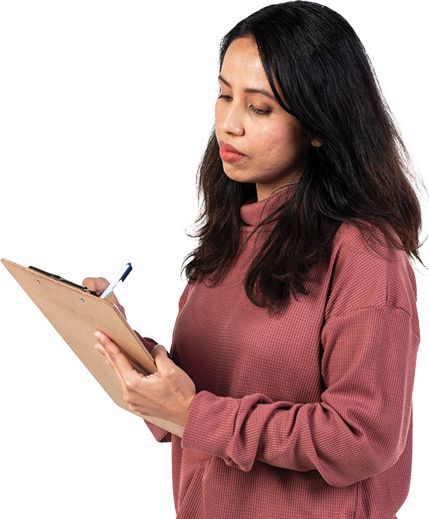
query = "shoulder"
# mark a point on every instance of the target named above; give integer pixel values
(366, 270)
(185, 294)
(368, 246)
(350, 235)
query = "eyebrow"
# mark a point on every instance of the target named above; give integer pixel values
(250, 90)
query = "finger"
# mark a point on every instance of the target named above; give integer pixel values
(129, 377)
(114, 300)
(100, 348)
(161, 357)
(97, 285)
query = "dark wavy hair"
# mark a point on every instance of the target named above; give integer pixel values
(361, 174)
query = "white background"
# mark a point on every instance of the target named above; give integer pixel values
(105, 111)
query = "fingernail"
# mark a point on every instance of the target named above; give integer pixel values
(99, 347)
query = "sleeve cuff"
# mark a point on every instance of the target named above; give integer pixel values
(210, 424)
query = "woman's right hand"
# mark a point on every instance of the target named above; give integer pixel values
(98, 285)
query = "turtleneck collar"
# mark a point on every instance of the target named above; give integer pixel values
(252, 213)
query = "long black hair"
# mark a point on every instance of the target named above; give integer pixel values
(361, 174)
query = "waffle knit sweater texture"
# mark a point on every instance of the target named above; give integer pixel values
(307, 414)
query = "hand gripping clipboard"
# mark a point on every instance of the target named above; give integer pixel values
(76, 313)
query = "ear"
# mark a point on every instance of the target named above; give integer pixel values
(316, 143)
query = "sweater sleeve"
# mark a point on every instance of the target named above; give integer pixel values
(359, 427)
(161, 435)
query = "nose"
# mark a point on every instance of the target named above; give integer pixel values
(232, 122)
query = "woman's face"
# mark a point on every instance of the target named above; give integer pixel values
(273, 142)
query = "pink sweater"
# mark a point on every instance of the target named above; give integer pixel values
(307, 415)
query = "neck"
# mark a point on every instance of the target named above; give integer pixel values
(253, 212)
(263, 193)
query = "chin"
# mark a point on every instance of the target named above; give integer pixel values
(236, 173)
(238, 178)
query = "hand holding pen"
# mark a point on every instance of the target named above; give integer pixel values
(104, 289)
(121, 278)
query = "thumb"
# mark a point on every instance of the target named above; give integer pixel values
(160, 356)
(95, 284)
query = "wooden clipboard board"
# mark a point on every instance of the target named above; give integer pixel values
(76, 314)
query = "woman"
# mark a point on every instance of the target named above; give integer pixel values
(293, 353)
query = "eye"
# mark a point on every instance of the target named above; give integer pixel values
(258, 111)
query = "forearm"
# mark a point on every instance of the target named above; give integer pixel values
(358, 428)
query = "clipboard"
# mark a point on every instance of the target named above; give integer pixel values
(76, 313)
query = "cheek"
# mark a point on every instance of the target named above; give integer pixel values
(273, 141)
(285, 139)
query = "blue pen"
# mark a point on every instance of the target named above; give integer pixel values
(124, 273)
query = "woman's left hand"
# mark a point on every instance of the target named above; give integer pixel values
(165, 394)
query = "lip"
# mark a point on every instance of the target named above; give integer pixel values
(225, 147)
(229, 156)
